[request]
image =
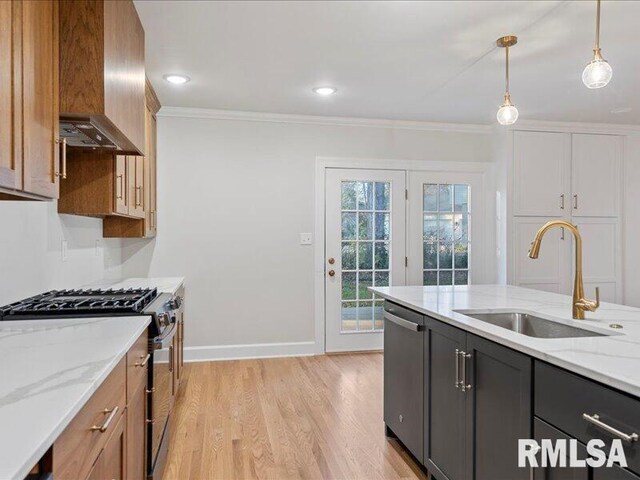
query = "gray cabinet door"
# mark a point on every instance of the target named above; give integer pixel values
(403, 376)
(445, 453)
(543, 430)
(498, 408)
(613, 473)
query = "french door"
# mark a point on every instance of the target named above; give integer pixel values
(365, 225)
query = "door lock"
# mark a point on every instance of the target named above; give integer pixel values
(332, 273)
(332, 261)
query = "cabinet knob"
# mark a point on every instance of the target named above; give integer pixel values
(401, 418)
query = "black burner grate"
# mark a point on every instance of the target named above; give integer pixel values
(74, 303)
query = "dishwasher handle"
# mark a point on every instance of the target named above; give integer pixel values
(403, 323)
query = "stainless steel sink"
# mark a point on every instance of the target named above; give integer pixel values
(531, 325)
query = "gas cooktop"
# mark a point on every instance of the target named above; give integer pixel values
(80, 303)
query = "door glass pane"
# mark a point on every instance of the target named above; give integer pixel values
(446, 239)
(366, 253)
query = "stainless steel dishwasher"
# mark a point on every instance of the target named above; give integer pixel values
(403, 376)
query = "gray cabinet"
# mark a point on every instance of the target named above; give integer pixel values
(403, 373)
(542, 430)
(478, 404)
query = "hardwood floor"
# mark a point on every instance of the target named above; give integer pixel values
(287, 418)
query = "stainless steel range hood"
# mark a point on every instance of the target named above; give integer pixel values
(85, 133)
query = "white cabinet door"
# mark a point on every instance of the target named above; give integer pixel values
(541, 173)
(550, 271)
(602, 259)
(595, 175)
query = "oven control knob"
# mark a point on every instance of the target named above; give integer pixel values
(164, 319)
(175, 303)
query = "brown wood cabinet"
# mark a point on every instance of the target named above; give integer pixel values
(117, 450)
(145, 185)
(102, 76)
(29, 62)
(101, 184)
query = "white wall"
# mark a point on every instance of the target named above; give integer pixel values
(31, 235)
(234, 196)
(631, 223)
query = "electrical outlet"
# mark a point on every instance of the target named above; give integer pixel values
(306, 239)
(64, 253)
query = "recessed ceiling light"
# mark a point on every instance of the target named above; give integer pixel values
(621, 110)
(325, 91)
(176, 78)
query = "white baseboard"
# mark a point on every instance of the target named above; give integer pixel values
(242, 352)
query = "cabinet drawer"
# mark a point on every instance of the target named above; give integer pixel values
(137, 365)
(561, 399)
(77, 448)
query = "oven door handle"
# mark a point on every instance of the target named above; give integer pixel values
(160, 343)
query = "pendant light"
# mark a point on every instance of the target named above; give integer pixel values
(507, 113)
(598, 72)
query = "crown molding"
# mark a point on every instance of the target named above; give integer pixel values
(571, 127)
(214, 114)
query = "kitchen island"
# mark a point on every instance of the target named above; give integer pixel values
(460, 392)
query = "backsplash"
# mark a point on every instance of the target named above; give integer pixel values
(31, 246)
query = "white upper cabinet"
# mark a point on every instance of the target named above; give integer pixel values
(595, 175)
(542, 164)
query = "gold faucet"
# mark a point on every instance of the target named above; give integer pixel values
(580, 304)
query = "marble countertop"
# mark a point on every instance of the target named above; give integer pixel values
(48, 371)
(163, 284)
(613, 360)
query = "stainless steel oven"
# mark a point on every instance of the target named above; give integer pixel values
(161, 378)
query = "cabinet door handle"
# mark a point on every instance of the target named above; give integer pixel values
(458, 382)
(562, 201)
(63, 142)
(144, 362)
(103, 428)
(562, 234)
(121, 185)
(465, 356)
(595, 420)
(138, 189)
(575, 201)
(171, 358)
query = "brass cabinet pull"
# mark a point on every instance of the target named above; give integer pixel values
(595, 420)
(144, 362)
(575, 201)
(103, 428)
(121, 185)
(152, 219)
(562, 201)
(138, 189)
(63, 142)
(171, 358)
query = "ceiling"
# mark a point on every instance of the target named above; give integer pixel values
(429, 61)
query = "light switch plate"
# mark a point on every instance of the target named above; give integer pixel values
(306, 239)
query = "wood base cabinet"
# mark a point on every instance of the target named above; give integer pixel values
(477, 405)
(107, 439)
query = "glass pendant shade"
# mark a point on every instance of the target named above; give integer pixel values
(507, 114)
(597, 73)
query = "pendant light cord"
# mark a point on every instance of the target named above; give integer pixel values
(598, 26)
(507, 73)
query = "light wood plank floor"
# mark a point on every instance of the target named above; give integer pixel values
(289, 418)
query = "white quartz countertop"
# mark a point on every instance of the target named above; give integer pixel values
(613, 360)
(163, 284)
(48, 371)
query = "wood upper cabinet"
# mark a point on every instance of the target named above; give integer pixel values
(29, 98)
(102, 75)
(142, 184)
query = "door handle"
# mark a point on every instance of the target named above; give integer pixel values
(402, 322)
(464, 356)
(458, 382)
(332, 273)
(331, 261)
(121, 185)
(63, 142)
